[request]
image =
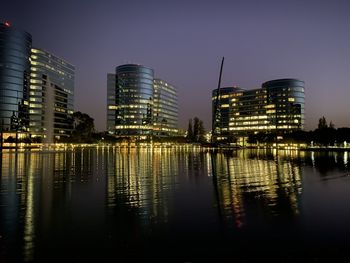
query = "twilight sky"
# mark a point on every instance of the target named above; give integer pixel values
(183, 41)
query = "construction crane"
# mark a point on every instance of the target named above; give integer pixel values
(216, 115)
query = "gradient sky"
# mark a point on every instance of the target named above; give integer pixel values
(183, 41)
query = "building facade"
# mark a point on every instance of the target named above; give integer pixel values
(221, 107)
(51, 101)
(278, 107)
(15, 48)
(111, 102)
(138, 105)
(165, 112)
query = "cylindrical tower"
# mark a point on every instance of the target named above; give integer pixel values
(15, 48)
(287, 100)
(134, 100)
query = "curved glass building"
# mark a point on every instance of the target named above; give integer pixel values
(276, 107)
(285, 102)
(15, 48)
(134, 100)
(138, 105)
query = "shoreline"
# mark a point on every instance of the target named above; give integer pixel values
(39, 146)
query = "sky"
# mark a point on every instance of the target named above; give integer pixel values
(184, 41)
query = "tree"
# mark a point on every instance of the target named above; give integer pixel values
(322, 123)
(83, 127)
(198, 130)
(201, 132)
(190, 130)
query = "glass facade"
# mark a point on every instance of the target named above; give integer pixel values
(165, 113)
(15, 47)
(134, 100)
(111, 103)
(51, 101)
(139, 105)
(277, 106)
(221, 116)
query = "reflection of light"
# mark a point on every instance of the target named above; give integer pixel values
(28, 223)
(141, 178)
(345, 158)
(262, 178)
(29, 226)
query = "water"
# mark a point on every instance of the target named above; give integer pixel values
(173, 205)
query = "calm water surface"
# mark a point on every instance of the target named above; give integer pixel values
(173, 205)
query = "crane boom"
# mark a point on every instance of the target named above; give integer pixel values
(216, 109)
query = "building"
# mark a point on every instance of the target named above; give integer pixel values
(277, 107)
(138, 105)
(165, 112)
(133, 101)
(15, 48)
(221, 118)
(111, 102)
(51, 101)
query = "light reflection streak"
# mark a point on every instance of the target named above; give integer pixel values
(142, 179)
(266, 180)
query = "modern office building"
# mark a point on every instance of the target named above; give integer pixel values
(165, 112)
(276, 107)
(138, 105)
(51, 95)
(15, 48)
(111, 102)
(221, 113)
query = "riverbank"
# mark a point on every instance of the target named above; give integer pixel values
(41, 146)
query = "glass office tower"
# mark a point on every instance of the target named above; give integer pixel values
(276, 107)
(51, 102)
(111, 103)
(139, 105)
(134, 101)
(286, 102)
(15, 46)
(165, 113)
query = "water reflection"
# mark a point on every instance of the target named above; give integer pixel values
(139, 198)
(328, 162)
(247, 179)
(141, 179)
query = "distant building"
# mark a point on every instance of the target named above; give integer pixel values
(138, 105)
(276, 107)
(51, 102)
(15, 47)
(165, 112)
(222, 116)
(111, 103)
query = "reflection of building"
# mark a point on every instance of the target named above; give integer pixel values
(51, 95)
(15, 48)
(142, 179)
(138, 104)
(278, 105)
(240, 180)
